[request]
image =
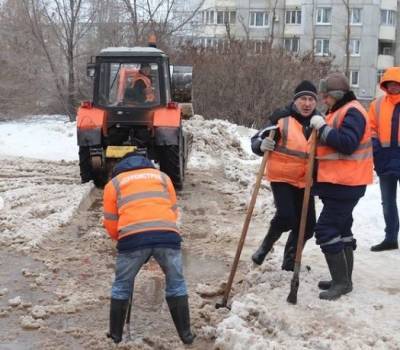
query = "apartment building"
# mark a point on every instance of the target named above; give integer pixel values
(319, 26)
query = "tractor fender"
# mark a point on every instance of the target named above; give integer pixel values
(167, 116)
(91, 123)
(166, 136)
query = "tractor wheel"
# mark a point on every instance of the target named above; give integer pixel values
(85, 164)
(99, 176)
(100, 179)
(172, 162)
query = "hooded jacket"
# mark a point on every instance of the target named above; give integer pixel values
(384, 114)
(140, 206)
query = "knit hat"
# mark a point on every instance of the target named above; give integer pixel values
(335, 85)
(305, 88)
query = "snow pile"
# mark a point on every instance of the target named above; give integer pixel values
(262, 319)
(221, 144)
(49, 137)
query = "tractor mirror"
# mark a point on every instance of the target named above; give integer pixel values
(90, 70)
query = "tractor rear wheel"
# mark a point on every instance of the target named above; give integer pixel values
(98, 174)
(85, 164)
(172, 162)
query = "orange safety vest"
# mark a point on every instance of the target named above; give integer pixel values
(288, 162)
(380, 115)
(147, 82)
(137, 201)
(338, 168)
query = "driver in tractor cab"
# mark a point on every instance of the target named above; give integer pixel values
(140, 90)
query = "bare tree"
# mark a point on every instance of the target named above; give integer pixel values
(161, 18)
(65, 22)
(273, 19)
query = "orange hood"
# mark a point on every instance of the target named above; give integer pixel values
(391, 74)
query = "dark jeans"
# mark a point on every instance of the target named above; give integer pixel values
(333, 228)
(289, 202)
(388, 185)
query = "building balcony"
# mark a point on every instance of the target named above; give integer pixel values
(387, 33)
(389, 5)
(385, 61)
(293, 30)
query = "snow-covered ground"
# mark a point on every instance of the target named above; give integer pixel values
(367, 318)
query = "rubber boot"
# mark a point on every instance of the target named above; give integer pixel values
(349, 253)
(271, 237)
(385, 245)
(340, 276)
(117, 319)
(179, 309)
(288, 257)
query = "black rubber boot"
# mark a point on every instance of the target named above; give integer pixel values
(271, 237)
(117, 319)
(288, 258)
(349, 253)
(385, 245)
(179, 309)
(340, 277)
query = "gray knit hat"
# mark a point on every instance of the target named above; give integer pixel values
(335, 85)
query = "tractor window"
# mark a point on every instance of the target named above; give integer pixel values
(129, 85)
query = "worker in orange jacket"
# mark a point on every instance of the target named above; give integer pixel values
(344, 168)
(140, 90)
(140, 212)
(384, 115)
(286, 169)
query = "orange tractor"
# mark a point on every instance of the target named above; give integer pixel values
(137, 106)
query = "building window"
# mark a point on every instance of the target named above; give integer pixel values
(385, 48)
(224, 17)
(232, 17)
(208, 17)
(321, 47)
(324, 15)
(354, 78)
(355, 16)
(258, 19)
(293, 17)
(388, 17)
(292, 44)
(354, 46)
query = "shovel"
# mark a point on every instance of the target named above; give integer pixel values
(294, 284)
(246, 224)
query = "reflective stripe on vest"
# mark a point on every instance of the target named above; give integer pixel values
(140, 226)
(143, 226)
(363, 151)
(352, 170)
(283, 147)
(288, 162)
(110, 216)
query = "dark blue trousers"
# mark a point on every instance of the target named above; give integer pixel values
(333, 228)
(388, 185)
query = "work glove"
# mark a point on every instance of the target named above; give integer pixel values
(267, 145)
(317, 122)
